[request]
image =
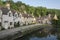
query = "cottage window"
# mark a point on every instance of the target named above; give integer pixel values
(10, 23)
(27, 17)
(9, 14)
(5, 21)
(15, 15)
(0, 23)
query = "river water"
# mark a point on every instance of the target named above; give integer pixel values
(41, 35)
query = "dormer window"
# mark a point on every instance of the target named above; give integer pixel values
(9, 14)
(16, 15)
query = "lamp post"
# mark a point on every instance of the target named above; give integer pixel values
(56, 19)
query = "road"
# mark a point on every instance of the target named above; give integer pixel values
(9, 33)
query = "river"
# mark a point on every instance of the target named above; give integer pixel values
(42, 35)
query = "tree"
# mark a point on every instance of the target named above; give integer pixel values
(1, 3)
(36, 11)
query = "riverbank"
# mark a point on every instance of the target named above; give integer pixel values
(11, 34)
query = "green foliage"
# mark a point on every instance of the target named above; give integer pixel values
(35, 11)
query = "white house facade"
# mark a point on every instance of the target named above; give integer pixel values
(6, 18)
(45, 19)
(26, 19)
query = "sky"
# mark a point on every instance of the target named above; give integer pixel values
(53, 4)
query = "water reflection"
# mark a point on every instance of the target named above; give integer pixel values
(51, 37)
(41, 35)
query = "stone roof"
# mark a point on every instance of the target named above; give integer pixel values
(26, 15)
(4, 10)
(13, 11)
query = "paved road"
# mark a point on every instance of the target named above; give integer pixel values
(10, 32)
